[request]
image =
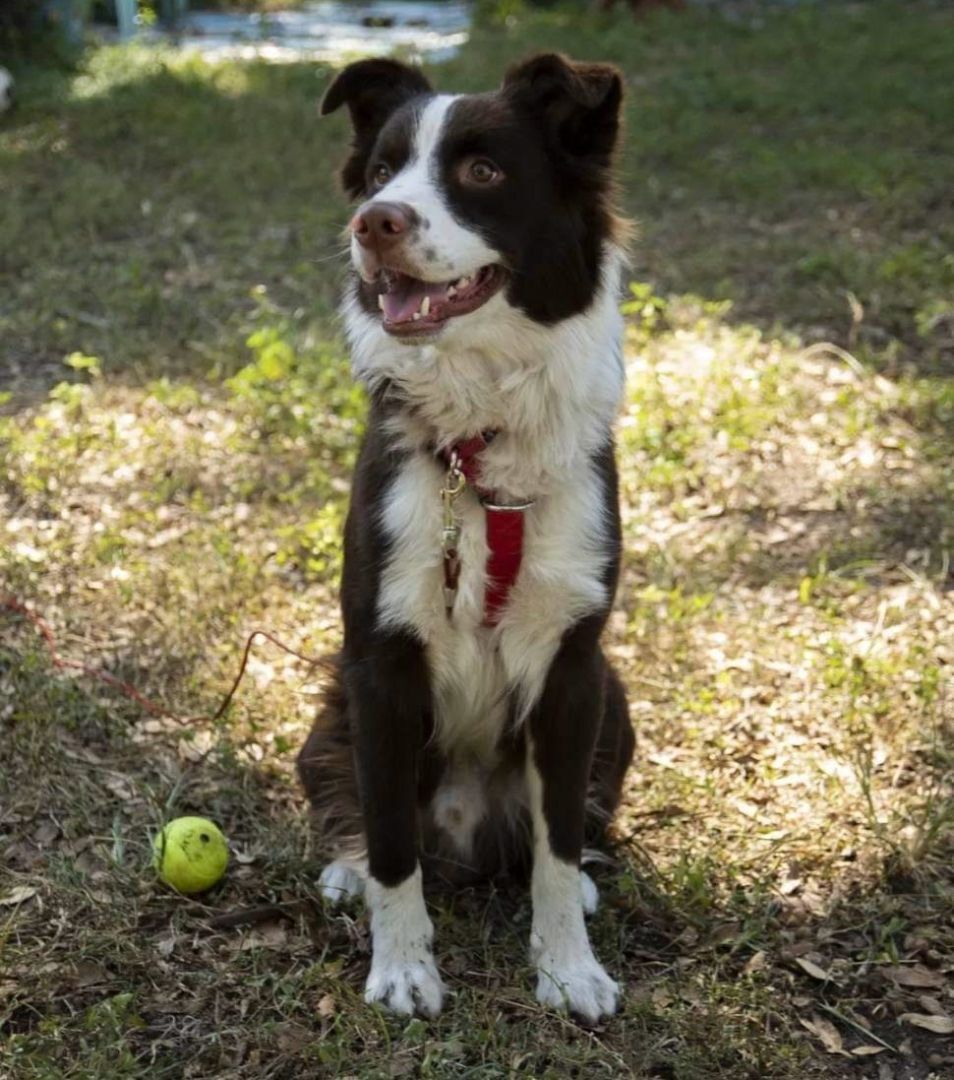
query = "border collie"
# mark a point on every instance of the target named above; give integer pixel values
(474, 726)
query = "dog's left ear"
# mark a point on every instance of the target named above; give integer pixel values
(579, 102)
(372, 90)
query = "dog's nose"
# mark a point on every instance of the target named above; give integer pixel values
(380, 225)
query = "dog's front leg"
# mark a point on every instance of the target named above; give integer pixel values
(389, 698)
(563, 729)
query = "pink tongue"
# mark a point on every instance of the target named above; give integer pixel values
(405, 296)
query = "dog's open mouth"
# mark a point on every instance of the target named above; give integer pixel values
(411, 306)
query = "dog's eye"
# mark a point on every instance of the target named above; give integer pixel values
(483, 171)
(382, 174)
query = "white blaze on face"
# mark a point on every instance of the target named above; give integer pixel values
(441, 248)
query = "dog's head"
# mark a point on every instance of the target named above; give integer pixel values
(469, 202)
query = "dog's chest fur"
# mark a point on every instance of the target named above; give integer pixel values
(551, 393)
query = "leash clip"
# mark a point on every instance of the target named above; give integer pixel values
(454, 484)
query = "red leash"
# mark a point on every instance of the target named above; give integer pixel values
(62, 663)
(504, 527)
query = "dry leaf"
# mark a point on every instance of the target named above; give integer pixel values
(400, 1064)
(774, 834)
(727, 931)
(292, 1037)
(269, 935)
(756, 962)
(326, 1006)
(918, 976)
(813, 901)
(868, 1051)
(120, 786)
(931, 1005)
(46, 833)
(827, 1032)
(86, 973)
(812, 969)
(17, 895)
(940, 1025)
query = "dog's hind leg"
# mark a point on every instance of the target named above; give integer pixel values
(590, 894)
(611, 760)
(343, 880)
(326, 769)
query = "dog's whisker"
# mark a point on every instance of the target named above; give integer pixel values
(328, 258)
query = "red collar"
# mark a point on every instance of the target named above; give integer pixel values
(504, 531)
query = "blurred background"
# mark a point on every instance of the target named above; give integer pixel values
(177, 429)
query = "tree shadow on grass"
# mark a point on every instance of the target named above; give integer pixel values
(147, 198)
(769, 159)
(152, 208)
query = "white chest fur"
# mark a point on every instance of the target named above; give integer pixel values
(475, 667)
(552, 393)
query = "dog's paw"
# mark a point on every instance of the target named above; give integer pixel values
(591, 896)
(339, 882)
(577, 984)
(406, 986)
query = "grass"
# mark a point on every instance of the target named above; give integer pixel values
(781, 892)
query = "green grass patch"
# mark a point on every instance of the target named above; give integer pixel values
(177, 435)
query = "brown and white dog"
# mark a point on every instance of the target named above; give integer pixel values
(475, 726)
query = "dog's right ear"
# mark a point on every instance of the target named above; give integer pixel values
(372, 90)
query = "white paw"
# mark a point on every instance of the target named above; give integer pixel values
(591, 896)
(340, 881)
(579, 985)
(406, 986)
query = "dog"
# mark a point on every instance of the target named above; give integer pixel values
(473, 725)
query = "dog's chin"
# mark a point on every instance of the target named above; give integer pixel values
(414, 310)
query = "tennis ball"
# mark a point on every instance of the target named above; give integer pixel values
(190, 854)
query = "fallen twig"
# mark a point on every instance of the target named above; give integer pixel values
(62, 663)
(858, 1027)
(253, 916)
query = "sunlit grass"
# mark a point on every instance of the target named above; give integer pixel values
(175, 460)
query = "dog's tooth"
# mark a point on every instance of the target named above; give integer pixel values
(426, 306)
(381, 301)
(416, 316)
(463, 282)
(451, 290)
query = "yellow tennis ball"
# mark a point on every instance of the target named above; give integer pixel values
(190, 854)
